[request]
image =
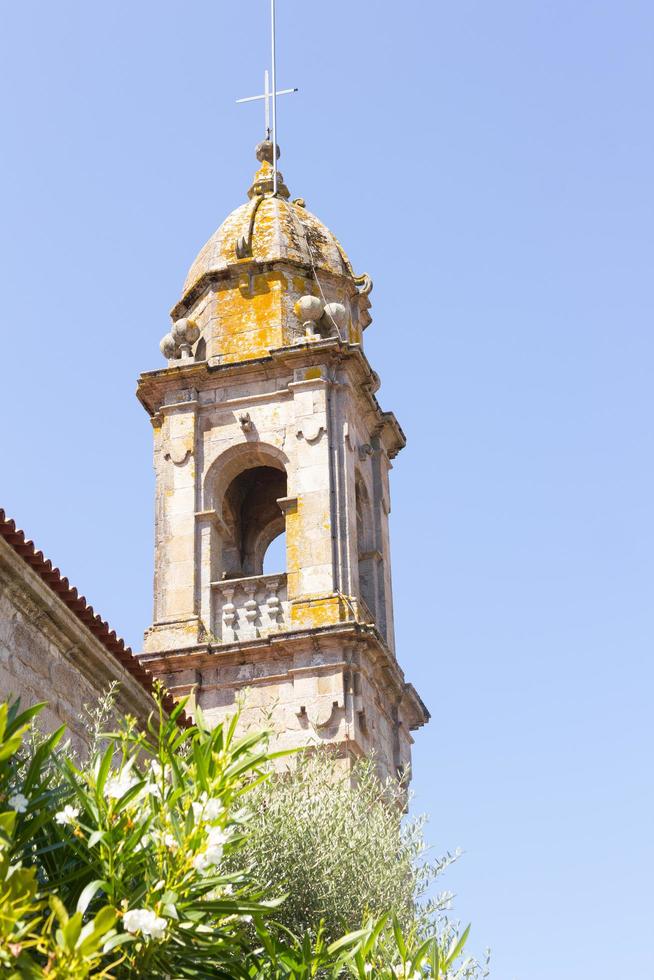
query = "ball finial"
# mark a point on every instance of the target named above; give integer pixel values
(264, 152)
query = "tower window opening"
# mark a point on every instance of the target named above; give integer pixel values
(253, 518)
(274, 559)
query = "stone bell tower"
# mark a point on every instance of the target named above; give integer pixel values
(266, 420)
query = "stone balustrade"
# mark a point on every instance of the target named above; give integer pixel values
(245, 608)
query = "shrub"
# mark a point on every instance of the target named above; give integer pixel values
(339, 846)
(128, 866)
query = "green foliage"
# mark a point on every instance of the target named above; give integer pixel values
(137, 864)
(337, 844)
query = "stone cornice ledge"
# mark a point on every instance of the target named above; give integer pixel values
(152, 385)
(279, 645)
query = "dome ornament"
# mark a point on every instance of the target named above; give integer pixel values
(177, 344)
(308, 310)
(263, 183)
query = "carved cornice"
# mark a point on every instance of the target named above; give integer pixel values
(283, 646)
(200, 376)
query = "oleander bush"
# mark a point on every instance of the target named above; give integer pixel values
(140, 863)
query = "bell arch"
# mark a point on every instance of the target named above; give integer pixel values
(232, 462)
(243, 487)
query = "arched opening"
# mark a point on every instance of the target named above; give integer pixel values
(252, 518)
(274, 560)
(365, 550)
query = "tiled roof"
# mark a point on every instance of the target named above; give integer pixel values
(77, 605)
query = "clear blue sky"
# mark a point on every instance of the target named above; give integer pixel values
(490, 165)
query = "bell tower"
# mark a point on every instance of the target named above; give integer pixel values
(266, 421)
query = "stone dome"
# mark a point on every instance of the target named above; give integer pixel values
(269, 229)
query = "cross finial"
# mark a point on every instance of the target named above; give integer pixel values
(270, 97)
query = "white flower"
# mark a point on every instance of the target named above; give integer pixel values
(216, 838)
(200, 862)
(401, 974)
(68, 815)
(205, 859)
(18, 802)
(156, 768)
(207, 808)
(219, 892)
(170, 841)
(144, 921)
(143, 843)
(117, 786)
(214, 855)
(212, 808)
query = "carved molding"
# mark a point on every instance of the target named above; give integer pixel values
(321, 715)
(178, 455)
(312, 431)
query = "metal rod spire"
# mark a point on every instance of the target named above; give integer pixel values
(266, 89)
(270, 97)
(274, 96)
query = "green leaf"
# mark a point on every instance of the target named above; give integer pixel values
(105, 919)
(120, 939)
(89, 893)
(103, 769)
(58, 908)
(11, 745)
(455, 949)
(7, 823)
(345, 942)
(72, 930)
(399, 939)
(436, 962)
(22, 720)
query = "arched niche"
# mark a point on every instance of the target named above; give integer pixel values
(243, 487)
(366, 553)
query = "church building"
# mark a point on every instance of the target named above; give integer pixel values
(266, 422)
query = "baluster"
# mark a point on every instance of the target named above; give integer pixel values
(250, 605)
(273, 602)
(229, 614)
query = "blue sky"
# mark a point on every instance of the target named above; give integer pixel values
(490, 165)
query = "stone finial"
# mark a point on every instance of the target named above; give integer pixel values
(177, 343)
(167, 346)
(336, 314)
(264, 151)
(263, 181)
(309, 310)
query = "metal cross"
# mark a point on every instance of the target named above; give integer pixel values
(267, 95)
(270, 97)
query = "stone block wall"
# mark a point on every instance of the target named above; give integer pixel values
(48, 654)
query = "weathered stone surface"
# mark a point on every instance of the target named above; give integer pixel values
(47, 654)
(278, 427)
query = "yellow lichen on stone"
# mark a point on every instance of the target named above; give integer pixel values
(249, 317)
(314, 611)
(293, 546)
